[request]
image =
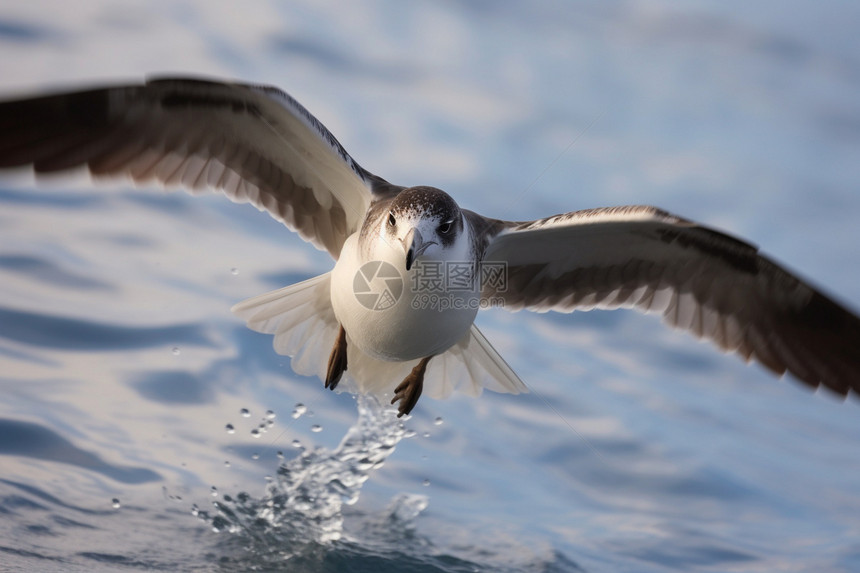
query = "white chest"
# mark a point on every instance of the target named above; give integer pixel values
(398, 315)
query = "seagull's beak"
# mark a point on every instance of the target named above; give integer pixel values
(414, 245)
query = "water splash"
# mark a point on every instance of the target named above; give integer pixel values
(303, 503)
(299, 410)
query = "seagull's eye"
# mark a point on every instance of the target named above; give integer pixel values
(391, 220)
(444, 228)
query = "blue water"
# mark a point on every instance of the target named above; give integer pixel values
(639, 449)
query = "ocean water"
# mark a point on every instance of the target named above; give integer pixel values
(142, 426)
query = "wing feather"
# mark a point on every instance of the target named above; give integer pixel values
(715, 286)
(256, 144)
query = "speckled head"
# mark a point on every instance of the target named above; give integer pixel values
(425, 202)
(429, 203)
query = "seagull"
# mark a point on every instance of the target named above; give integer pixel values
(412, 268)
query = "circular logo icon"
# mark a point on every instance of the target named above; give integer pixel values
(377, 285)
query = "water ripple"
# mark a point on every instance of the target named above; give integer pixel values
(29, 440)
(74, 334)
(45, 271)
(16, 31)
(175, 387)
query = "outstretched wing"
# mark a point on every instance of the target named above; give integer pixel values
(701, 280)
(254, 143)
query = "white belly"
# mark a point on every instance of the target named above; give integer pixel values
(392, 314)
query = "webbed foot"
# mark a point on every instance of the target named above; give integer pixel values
(408, 392)
(336, 361)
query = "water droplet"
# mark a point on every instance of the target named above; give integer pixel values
(426, 434)
(175, 351)
(438, 421)
(425, 483)
(195, 510)
(298, 410)
(297, 444)
(245, 413)
(227, 464)
(234, 271)
(115, 503)
(255, 433)
(409, 434)
(268, 478)
(270, 415)
(280, 455)
(230, 429)
(316, 428)
(255, 456)
(214, 491)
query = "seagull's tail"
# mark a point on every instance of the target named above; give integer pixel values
(467, 367)
(470, 366)
(302, 320)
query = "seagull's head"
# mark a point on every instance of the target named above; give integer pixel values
(425, 222)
